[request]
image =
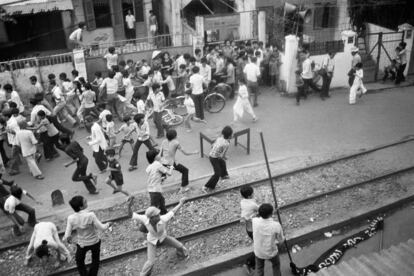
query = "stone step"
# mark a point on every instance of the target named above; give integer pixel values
(373, 265)
(399, 265)
(334, 270)
(359, 268)
(346, 268)
(387, 266)
(406, 259)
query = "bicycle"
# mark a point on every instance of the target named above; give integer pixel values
(168, 115)
(215, 101)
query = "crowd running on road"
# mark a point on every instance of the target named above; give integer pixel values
(130, 92)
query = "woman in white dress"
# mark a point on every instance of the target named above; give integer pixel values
(242, 104)
(357, 85)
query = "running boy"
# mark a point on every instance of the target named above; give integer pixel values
(167, 153)
(115, 174)
(126, 128)
(156, 175)
(249, 209)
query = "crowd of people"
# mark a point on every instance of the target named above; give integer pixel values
(130, 92)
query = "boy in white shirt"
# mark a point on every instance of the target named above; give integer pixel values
(267, 233)
(13, 203)
(249, 209)
(157, 234)
(126, 128)
(111, 58)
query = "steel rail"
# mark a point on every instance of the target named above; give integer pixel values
(253, 183)
(219, 227)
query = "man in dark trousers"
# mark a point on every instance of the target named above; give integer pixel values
(75, 151)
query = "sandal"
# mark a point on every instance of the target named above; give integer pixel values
(39, 177)
(132, 168)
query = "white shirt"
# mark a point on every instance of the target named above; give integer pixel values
(14, 97)
(111, 59)
(329, 64)
(11, 203)
(129, 89)
(157, 100)
(266, 234)
(205, 71)
(97, 138)
(111, 85)
(154, 180)
(130, 20)
(76, 35)
(161, 233)
(102, 117)
(196, 81)
(85, 223)
(57, 94)
(13, 125)
(189, 105)
(252, 72)
(26, 140)
(35, 110)
(141, 106)
(143, 131)
(307, 69)
(248, 208)
(170, 83)
(43, 231)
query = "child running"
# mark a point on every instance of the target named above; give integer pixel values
(126, 128)
(242, 104)
(115, 174)
(157, 234)
(249, 209)
(167, 153)
(110, 130)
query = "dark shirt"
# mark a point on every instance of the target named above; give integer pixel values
(116, 175)
(3, 191)
(74, 150)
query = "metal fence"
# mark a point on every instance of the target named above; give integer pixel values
(37, 61)
(141, 44)
(324, 47)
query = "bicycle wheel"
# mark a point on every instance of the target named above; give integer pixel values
(179, 107)
(214, 103)
(171, 119)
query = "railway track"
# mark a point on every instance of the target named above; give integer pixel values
(228, 198)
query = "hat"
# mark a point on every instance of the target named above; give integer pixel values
(152, 212)
(354, 49)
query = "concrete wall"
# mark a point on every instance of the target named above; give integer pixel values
(393, 40)
(94, 64)
(99, 36)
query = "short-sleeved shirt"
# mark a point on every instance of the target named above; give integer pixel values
(155, 236)
(155, 172)
(219, 148)
(196, 81)
(157, 100)
(143, 131)
(111, 59)
(11, 203)
(266, 234)
(130, 20)
(88, 98)
(168, 151)
(57, 94)
(76, 35)
(189, 105)
(141, 106)
(44, 231)
(252, 72)
(116, 175)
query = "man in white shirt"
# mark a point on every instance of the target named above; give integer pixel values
(196, 81)
(13, 96)
(14, 202)
(86, 225)
(99, 145)
(267, 233)
(307, 74)
(251, 74)
(157, 234)
(76, 36)
(60, 107)
(328, 66)
(45, 236)
(112, 97)
(12, 128)
(27, 142)
(157, 98)
(205, 71)
(130, 25)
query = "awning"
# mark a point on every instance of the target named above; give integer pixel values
(36, 6)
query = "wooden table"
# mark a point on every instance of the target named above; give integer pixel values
(211, 134)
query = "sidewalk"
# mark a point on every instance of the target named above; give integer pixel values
(292, 133)
(399, 227)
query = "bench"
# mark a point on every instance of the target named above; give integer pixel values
(210, 135)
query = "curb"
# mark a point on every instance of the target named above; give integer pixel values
(238, 256)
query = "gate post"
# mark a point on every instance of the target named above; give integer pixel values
(378, 55)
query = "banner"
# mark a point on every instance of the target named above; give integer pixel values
(80, 64)
(335, 253)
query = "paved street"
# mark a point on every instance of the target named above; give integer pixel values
(315, 128)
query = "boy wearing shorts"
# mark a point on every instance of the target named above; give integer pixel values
(115, 173)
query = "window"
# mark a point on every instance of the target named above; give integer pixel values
(102, 13)
(325, 16)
